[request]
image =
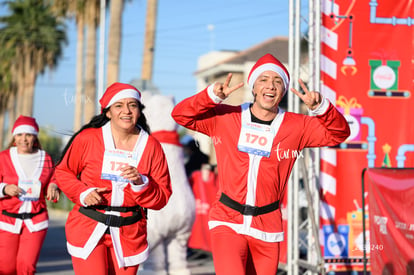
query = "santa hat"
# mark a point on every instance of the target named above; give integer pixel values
(268, 63)
(118, 91)
(25, 124)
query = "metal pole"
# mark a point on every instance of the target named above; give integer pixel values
(295, 178)
(363, 222)
(290, 243)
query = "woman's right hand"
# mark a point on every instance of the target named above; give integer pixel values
(94, 197)
(12, 190)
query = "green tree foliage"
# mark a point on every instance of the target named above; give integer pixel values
(33, 38)
(51, 144)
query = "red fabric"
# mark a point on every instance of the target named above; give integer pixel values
(242, 255)
(102, 261)
(265, 60)
(223, 124)
(26, 121)
(20, 252)
(84, 158)
(112, 90)
(204, 193)
(170, 137)
(9, 175)
(391, 218)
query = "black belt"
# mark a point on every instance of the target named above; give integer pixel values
(248, 209)
(22, 216)
(116, 208)
(112, 220)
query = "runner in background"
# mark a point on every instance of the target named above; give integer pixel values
(204, 185)
(26, 181)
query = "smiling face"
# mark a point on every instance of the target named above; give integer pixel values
(124, 114)
(268, 91)
(24, 143)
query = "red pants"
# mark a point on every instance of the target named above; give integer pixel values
(19, 253)
(242, 255)
(102, 261)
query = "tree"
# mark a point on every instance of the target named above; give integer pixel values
(37, 39)
(51, 144)
(8, 88)
(75, 9)
(91, 21)
(86, 14)
(114, 40)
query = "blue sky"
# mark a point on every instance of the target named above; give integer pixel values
(182, 36)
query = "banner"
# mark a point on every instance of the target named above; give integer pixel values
(367, 48)
(391, 204)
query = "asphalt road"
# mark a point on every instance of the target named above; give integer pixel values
(55, 260)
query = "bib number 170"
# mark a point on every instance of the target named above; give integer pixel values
(256, 139)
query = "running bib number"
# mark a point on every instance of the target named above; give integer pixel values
(114, 161)
(31, 190)
(256, 139)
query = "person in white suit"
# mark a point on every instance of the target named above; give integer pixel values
(169, 228)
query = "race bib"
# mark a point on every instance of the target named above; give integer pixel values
(114, 161)
(256, 139)
(31, 190)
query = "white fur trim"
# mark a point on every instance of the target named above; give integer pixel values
(210, 92)
(321, 109)
(86, 250)
(138, 188)
(84, 194)
(127, 93)
(270, 237)
(269, 67)
(25, 129)
(2, 186)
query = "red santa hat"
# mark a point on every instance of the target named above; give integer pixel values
(118, 91)
(268, 63)
(25, 124)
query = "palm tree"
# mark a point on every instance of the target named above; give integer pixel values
(36, 38)
(114, 40)
(86, 14)
(75, 9)
(91, 20)
(86, 93)
(8, 87)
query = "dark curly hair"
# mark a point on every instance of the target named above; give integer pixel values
(100, 120)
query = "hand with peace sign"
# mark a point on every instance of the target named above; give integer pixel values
(223, 90)
(312, 99)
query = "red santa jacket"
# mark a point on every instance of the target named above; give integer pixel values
(10, 173)
(249, 178)
(84, 158)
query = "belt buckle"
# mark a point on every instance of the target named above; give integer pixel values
(249, 210)
(112, 220)
(25, 216)
(108, 220)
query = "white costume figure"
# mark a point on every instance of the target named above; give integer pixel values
(169, 228)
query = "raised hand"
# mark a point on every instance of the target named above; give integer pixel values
(223, 90)
(312, 99)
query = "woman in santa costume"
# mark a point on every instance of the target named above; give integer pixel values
(26, 178)
(259, 144)
(112, 169)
